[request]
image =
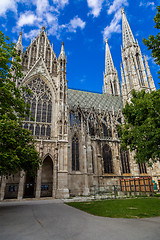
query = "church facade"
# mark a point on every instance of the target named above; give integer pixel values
(76, 131)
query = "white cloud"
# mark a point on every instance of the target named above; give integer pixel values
(46, 13)
(51, 18)
(83, 79)
(147, 4)
(151, 59)
(116, 5)
(27, 18)
(42, 6)
(6, 5)
(74, 23)
(61, 3)
(33, 33)
(96, 6)
(114, 26)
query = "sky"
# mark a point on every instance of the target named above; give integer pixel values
(82, 25)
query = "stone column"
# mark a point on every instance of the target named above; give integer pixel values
(84, 157)
(39, 174)
(62, 191)
(38, 182)
(89, 155)
(21, 185)
(55, 176)
(117, 160)
(3, 186)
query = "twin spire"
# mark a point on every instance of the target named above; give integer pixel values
(111, 80)
(134, 74)
(109, 65)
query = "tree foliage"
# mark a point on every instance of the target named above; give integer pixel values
(141, 131)
(17, 149)
(153, 42)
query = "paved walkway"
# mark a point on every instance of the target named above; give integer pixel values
(53, 220)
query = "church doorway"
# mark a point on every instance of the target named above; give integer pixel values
(47, 177)
(29, 187)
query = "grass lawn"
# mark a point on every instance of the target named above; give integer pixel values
(118, 208)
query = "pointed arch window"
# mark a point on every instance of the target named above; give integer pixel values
(115, 88)
(105, 129)
(107, 159)
(43, 130)
(111, 87)
(139, 68)
(91, 129)
(37, 131)
(125, 161)
(31, 128)
(33, 108)
(49, 112)
(41, 107)
(75, 154)
(48, 132)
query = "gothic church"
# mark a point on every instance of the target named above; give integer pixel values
(76, 131)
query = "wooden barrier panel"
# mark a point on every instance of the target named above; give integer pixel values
(142, 184)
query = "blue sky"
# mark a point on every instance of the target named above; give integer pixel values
(82, 25)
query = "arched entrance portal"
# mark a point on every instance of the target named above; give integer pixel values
(47, 177)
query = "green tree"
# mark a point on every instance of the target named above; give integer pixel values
(153, 42)
(17, 149)
(141, 131)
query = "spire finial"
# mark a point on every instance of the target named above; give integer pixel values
(19, 46)
(106, 40)
(122, 10)
(43, 28)
(62, 53)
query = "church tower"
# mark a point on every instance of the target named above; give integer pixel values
(133, 72)
(45, 75)
(111, 80)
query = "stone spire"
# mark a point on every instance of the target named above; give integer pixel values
(149, 76)
(132, 61)
(62, 55)
(19, 46)
(109, 66)
(128, 37)
(111, 80)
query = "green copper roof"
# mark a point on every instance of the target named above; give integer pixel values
(96, 100)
